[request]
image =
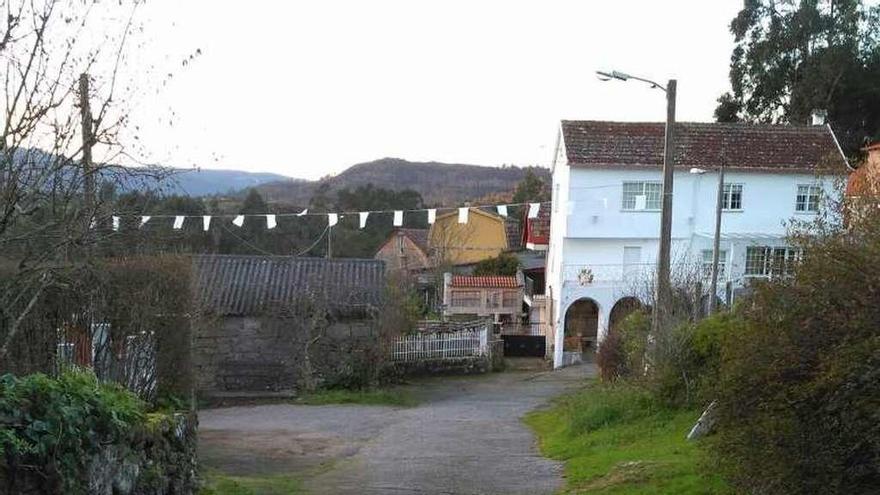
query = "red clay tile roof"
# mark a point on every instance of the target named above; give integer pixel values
(746, 146)
(485, 281)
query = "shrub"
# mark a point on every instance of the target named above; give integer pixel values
(611, 359)
(685, 370)
(503, 264)
(798, 399)
(55, 425)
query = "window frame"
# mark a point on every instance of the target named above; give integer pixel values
(812, 197)
(727, 196)
(643, 191)
(769, 261)
(706, 262)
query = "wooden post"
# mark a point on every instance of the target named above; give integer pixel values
(716, 247)
(663, 303)
(88, 140)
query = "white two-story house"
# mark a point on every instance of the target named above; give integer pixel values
(605, 220)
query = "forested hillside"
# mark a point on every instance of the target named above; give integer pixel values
(437, 183)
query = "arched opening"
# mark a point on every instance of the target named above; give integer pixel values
(581, 326)
(622, 308)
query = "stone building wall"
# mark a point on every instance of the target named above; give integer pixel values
(244, 355)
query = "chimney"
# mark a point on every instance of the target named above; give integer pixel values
(818, 116)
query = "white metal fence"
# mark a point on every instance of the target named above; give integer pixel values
(439, 346)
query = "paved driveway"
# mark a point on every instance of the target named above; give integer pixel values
(465, 437)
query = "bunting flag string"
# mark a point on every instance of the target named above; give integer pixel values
(532, 211)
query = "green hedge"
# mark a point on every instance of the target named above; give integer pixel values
(54, 428)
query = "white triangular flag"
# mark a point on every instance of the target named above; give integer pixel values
(302, 212)
(178, 222)
(363, 216)
(463, 214)
(398, 218)
(432, 215)
(270, 222)
(332, 219)
(144, 220)
(502, 210)
(115, 223)
(239, 221)
(206, 222)
(533, 209)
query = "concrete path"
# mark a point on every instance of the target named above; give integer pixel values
(465, 437)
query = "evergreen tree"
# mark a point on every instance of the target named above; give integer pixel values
(792, 57)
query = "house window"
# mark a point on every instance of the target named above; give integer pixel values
(762, 261)
(707, 263)
(466, 298)
(400, 244)
(634, 192)
(807, 198)
(732, 197)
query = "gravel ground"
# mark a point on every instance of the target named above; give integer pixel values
(465, 437)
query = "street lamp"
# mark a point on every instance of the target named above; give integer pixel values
(663, 289)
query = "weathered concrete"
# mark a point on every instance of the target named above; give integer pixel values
(466, 437)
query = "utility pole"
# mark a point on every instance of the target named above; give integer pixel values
(664, 289)
(716, 247)
(88, 140)
(329, 243)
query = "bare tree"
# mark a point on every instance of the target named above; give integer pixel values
(51, 52)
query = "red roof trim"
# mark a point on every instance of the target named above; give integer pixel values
(485, 281)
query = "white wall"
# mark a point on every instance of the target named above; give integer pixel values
(589, 226)
(596, 194)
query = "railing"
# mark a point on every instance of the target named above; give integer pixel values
(440, 346)
(607, 274)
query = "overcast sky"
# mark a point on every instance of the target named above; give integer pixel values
(307, 89)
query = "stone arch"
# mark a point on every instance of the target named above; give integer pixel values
(581, 325)
(621, 309)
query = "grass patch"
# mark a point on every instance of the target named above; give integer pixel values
(220, 484)
(617, 440)
(376, 397)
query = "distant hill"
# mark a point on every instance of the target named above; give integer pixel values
(438, 183)
(201, 182)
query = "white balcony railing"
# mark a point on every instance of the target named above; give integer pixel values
(604, 275)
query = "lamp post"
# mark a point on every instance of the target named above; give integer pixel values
(663, 297)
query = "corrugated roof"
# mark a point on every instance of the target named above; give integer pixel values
(746, 146)
(485, 281)
(254, 285)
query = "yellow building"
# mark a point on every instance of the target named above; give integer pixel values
(483, 236)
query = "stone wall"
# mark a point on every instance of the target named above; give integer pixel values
(159, 458)
(253, 355)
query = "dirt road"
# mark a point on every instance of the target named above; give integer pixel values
(465, 437)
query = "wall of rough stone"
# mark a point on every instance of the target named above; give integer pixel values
(245, 355)
(159, 458)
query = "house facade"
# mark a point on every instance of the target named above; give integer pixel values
(605, 217)
(405, 251)
(452, 241)
(494, 296)
(267, 324)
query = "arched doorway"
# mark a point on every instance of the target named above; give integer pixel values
(622, 308)
(581, 326)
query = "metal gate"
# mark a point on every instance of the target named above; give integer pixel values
(524, 345)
